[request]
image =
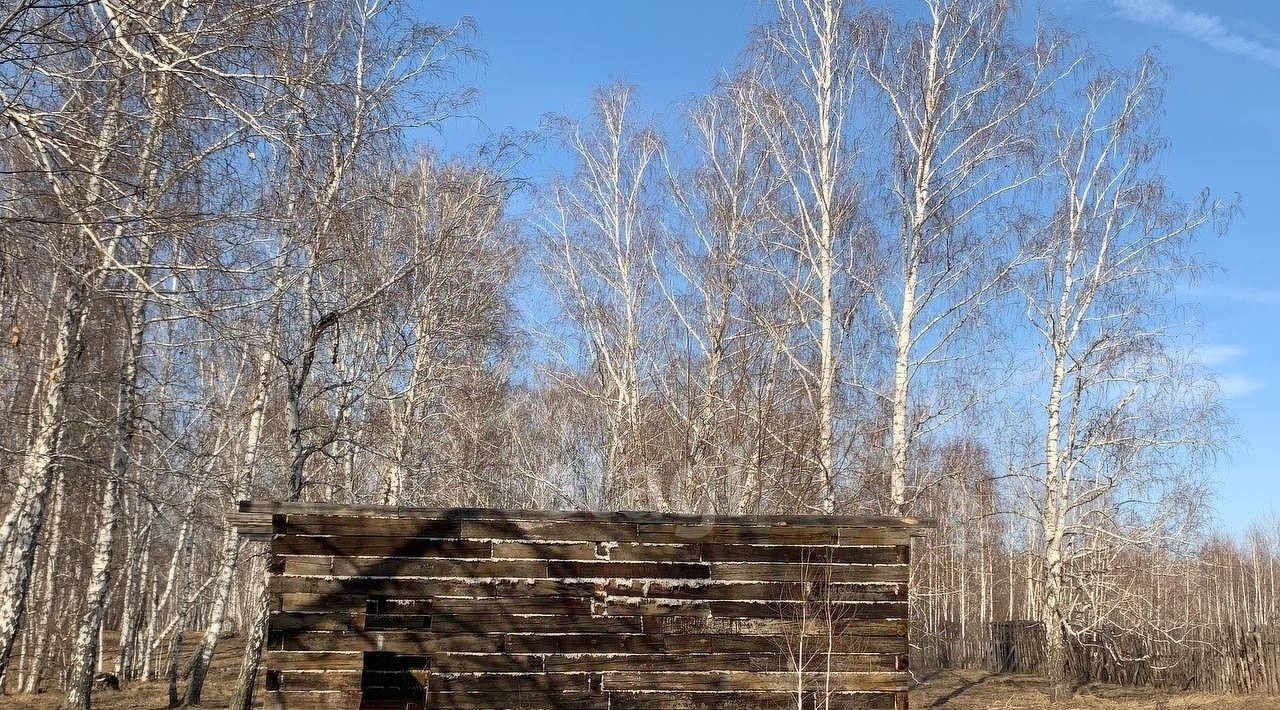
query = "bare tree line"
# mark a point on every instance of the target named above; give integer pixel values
(917, 261)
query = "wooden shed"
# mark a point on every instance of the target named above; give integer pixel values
(377, 607)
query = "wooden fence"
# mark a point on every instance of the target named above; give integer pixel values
(1236, 662)
(395, 607)
(1001, 647)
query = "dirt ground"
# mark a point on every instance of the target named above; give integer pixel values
(976, 690)
(956, 690)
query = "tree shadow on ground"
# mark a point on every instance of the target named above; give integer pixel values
(965, 685)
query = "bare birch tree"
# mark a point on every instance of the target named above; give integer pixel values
(959, 92)
(72, 150)
(600, 235)
(1124, 422)
(802, 104)
(447, 323)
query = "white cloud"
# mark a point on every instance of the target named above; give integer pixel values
(1209, 29)
(1217, 354)
(1219, 357)
(1238, 385)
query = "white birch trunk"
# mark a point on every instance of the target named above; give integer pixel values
(88, 636)
(242, 694)
(1052, 614)
(21, 527)
(49, 591)
(230, 541)
(181, 551)
(137, 599)
(179, 624)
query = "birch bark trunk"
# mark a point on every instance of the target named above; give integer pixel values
(22, 524)
(49, 590)
(802, 112)
(137, 596)
(128, 410)
(230, 541)
(179, 625)
(182, 549)
(242, 696)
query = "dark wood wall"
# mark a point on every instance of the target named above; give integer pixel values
(395, 607)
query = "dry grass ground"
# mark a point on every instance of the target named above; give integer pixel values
(976, 690)
(149, 696)
(952, 690)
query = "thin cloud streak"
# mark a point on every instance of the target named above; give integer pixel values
(1237, 385)
(1218, 354)
(1259, 296)
(1209, 29)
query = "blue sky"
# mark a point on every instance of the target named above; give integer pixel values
(1223, 120)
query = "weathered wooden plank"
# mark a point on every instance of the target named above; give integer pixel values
(561, 606)
(301, 681)
(596, 551)
(506, 623)
(843, 611)
(389, 527)
(713, 534)
(847, 611)
(429, 588)
(620, 700)
(618, 606)
(754, 591)
(766, 644)
(292, 601)
(454, 623)
(627, 570)
(410, 642)
(317, 621)
(861, 592)
(547, 550)
(306, 566)
(783, 628)
(380, 546)
(839, 610)
(640, 517)
(315, 660)
(813, 556)
(350, 603)
(763, 662)
(554, 569)
(510, 683)
(596, 663)
(550, 530)
(529, 700)
(310, 700)
(875, 536)
(412, 567)
(781, 572)
(489, 663)
(569, 643)
(746, 681)
(652, 552)
(251, 525)
(703, 589)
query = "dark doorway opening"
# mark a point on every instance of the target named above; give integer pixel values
(391, 681)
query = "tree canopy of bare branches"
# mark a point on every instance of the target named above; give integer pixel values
(917, 260)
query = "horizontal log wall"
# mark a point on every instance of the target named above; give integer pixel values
(392, 607)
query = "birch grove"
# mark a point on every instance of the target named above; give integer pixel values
(913, 258)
